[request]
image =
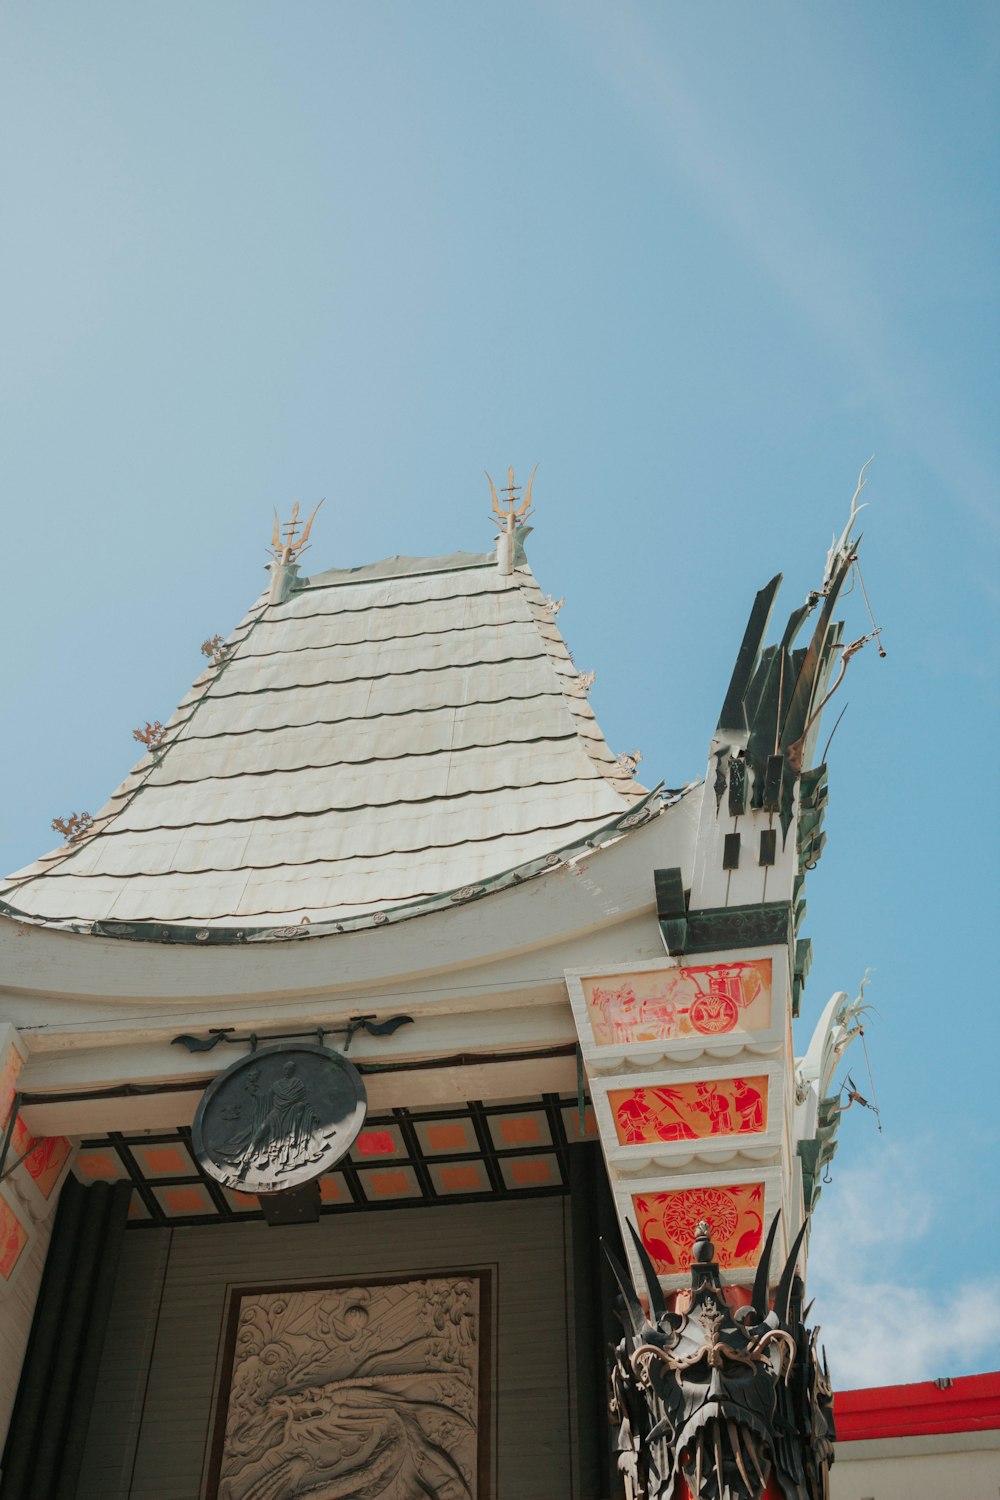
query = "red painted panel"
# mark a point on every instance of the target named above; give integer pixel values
(970, 1404)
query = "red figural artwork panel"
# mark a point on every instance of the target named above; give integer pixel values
(735, 1216)
(13, 1237)
(689, 1111)
(43, 1158)
(706, 1000)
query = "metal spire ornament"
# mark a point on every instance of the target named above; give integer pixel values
(511, 513)
(286, 551)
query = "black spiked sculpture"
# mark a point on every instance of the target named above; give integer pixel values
(719, 1396)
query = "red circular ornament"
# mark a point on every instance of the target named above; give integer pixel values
(711, 1014)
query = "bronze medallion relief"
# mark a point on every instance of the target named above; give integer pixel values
(279, 1118)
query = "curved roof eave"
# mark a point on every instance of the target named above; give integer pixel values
(656, 803)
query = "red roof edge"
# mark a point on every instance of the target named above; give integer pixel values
(970, 1403)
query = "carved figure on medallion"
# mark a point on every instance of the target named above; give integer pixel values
(278, 1118)
(353, 1393)
(283, 1129)
(705, 1000)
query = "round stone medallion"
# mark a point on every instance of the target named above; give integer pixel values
(279, 1117)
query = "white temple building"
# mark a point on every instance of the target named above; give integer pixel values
(385, 822)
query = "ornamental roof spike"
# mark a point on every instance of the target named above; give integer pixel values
(286, 550)
(510, 513)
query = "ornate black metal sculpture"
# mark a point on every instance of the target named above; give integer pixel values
(718, 1395)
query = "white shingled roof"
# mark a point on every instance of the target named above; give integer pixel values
(387, 734)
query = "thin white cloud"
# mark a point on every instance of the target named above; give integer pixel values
(879, 1326)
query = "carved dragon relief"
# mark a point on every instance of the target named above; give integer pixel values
(717, 1396)
(367, 1392)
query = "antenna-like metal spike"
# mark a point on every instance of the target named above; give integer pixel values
(784, 1296)
(758, 1297)
(300, 545)
(657, 1301)
(493, 491)
(634, 1308)
(526, 503)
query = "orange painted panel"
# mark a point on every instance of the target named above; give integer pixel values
(97, 1164)
(519, 1130)
(43, 1158)
(705, 1000)
(689, 1111)
(464, 1178)
(165, 1160)
(13, 1238)
(390, 1184)
(250, 1200)
(531, 1171)
(46, 1160)
(735, 1215)
(187, 1200)
(448, 1137)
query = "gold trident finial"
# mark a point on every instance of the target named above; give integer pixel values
(288, 550)
(508, 511)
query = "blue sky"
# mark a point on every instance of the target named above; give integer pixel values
(699, 262)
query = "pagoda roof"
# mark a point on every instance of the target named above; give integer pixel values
(386, 737)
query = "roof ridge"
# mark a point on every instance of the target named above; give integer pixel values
(449, 562)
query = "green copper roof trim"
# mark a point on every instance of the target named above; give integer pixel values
(801, 964)
(734, 715)
(809, 1155)
(766, 925)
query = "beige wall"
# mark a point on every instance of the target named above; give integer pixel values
(154, 1410)
(937, 1466)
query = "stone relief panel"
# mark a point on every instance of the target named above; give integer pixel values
(369, 1391)
(700, 1000)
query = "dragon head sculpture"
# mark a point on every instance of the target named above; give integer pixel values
(722, 1396)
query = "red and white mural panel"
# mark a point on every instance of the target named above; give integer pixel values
(702, 1000)
(13, 1238)
(33, 1165)
(734, 1212)
(688, 1064)
(671, 1112)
